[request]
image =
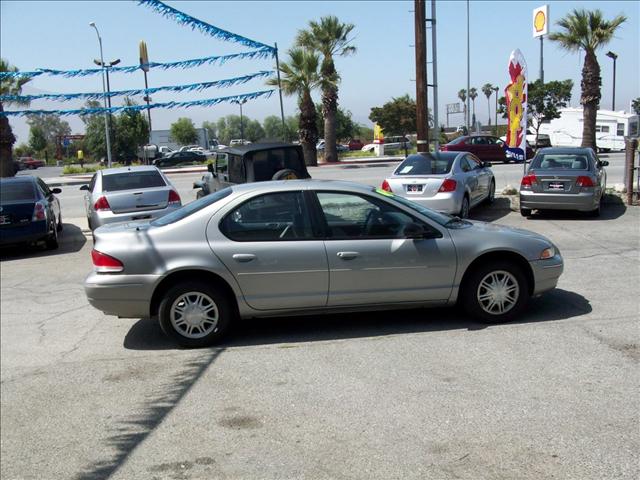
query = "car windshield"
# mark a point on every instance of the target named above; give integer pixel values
(191, 208)
(425, 165)
(555, 161)
(16, 192)
(440, 218)
(132, 180)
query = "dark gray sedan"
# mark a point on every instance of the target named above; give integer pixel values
(305, 246)
(564, 179)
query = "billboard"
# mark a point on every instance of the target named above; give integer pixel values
(516, 95)
(541, 21)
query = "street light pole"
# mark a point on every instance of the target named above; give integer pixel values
(107, 67)
(613, 100)
(240, 102)
(106, 113)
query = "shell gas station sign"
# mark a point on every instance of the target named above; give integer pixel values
(541, 21)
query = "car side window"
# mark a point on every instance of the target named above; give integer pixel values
(92, 183)
(464, 164)
(474, 163)
(236, 169)
(491, 140)
(350, 216)
(272, 217)
(45, 189)
(222, 164)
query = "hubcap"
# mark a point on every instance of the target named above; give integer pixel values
(194, 315)
(498, 292)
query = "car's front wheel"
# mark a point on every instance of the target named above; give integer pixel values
(495, 293)
(195, 314)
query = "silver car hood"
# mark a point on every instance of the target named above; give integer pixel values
(495, 227)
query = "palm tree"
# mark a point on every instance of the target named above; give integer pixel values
(462, 95)
(328, 37)
(487, 89)
(587, 31)
(299, 77)
(473, 94)
(8, 86)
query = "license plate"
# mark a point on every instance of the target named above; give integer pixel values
(4, 220)
(556, 186)
(414, 188)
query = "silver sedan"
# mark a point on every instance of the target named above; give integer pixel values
(308, 246)
(450, 182)
(129, 193)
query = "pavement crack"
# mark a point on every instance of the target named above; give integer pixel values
(41, 324)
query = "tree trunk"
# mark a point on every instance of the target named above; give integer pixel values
(590, 98)
(308, 129)
(7, 139)
(488, 112)
(329, 109)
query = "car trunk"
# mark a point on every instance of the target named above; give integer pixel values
(556, 181)
(421, 187)
(125, 201)
(17, 213)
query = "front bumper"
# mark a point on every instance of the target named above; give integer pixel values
(546, 273)
(583, 201)
(127, 296)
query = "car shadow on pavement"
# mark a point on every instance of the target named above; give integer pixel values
(556, 305)
(501, 207)
(70, 240)
(612, 208)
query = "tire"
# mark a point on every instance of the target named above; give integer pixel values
(51, 243)
(203, 300)
(285, 174)
(60, 226)
(501, 305)
(525, 212)
(464, 209)
(596, 212)
(492, 193)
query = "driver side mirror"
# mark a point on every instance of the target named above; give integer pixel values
(417, 231)
(84, 187)
(604, 163)
(210, 167)
(486, 164)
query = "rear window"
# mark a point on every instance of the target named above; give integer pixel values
(560, 162)
(267, 162)
(132, 181)
(16, 192)
(425, 165)
(192, 208)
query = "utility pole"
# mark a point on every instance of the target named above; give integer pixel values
(422, 112)
(468, 107)
(434, 58)
(541, 59)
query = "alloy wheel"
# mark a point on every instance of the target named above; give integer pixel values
(194, 315)
(498, 292)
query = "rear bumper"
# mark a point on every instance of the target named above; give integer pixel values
(104, 217)
(127, 296)
(583, 201)
(546, 273)
(449, 202)
(30, 232)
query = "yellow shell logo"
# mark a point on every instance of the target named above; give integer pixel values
(539, 21)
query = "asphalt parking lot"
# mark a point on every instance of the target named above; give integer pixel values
(426, 394)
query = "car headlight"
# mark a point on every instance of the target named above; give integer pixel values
(547, 253)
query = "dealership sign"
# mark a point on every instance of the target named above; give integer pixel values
(516, 95)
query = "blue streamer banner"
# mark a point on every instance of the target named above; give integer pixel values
(204, 27)
(195, 62)
(63, 97)
(209, 102)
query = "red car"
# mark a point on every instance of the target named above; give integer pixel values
(31, 163)
(355, 144)
(486, 147)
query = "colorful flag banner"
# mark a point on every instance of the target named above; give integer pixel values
(516, 95)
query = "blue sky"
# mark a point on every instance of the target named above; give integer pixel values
(57, 35)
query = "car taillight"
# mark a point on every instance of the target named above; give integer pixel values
(102, 204)
(584, 181)
(174, 198)
(39, 212)
(448, 185)
(528, 181)
(104, 263)
(386, 186)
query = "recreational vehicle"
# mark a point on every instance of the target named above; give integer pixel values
(611, 128)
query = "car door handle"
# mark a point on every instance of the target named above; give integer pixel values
(243, 257)
(348, 255)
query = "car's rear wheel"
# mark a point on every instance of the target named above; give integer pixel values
(51, 243)
(59, 227)
(195, 314)
(596, 212)
(495, 293)
(492, 192)
(285, 174)
(464, 209)
(525, 212)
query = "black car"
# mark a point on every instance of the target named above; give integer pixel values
(256, 162)
(178, 158)
(29, 212)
